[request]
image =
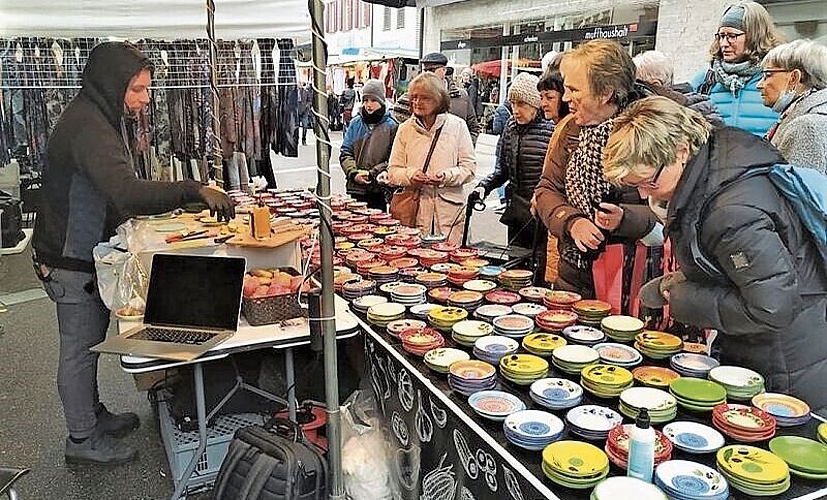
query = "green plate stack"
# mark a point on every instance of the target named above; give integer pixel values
(466, 332)
(621, 328)
(806, 458)
(822, 433)
(661, 406)
(572, 359)
(740, 383)
(697, 394)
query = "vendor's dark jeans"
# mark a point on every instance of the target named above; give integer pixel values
(82, 320)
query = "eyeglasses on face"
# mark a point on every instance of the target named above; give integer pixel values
(651, 183)
(766, 73)
(730, 37)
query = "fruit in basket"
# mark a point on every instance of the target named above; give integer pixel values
(272, 282)
(261, 273)
(251, 283)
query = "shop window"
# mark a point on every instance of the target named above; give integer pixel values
(366, 14)
(386, 21)
(400, 18)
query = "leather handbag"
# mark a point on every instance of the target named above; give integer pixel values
(404, 205)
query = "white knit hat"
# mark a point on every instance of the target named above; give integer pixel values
(524, 89)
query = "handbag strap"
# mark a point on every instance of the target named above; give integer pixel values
(431, 151)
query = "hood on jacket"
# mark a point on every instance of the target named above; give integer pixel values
(110, 67)
(813, 103)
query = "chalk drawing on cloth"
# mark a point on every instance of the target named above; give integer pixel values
(407, 467)
(465, 494)
(424, 426)
(400, 429)
(488, 466)
(466, 458)
(406, 390)
(512, 484)
(439, 484)
(440, 415)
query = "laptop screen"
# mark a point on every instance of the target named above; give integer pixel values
(195, 291)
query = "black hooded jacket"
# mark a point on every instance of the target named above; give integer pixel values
(89, 185)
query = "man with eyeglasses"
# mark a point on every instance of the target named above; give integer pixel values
(461, 106)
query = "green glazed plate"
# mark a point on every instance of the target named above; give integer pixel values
(697, 389)
(800, 453)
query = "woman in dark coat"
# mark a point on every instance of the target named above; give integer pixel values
(769, 305)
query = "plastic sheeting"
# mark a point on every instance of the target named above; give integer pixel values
(157, 19)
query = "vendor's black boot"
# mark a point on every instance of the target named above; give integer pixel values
(117, 425)
(98, 449)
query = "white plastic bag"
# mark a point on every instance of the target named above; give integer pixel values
(122, 279)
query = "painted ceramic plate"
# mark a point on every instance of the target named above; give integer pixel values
(575, 458)
(495, 404)
(736, 376)
(535, 293)
(398, 326)
(616, 487)
(472, 328)
(576, 354)
(502, 297)
(594, 418)
(781, 405)
(493, 310)
(523, 364)
(444, 357)
(801, 453)
(534, 424)
(607, 375)
(543, 341)
(528, 308)
(622, 323)
(562, 297)
(752, 464)
(496, 344)
(472, 369)
(694, 362)
(655, 376)
(514, 322)
(697, 389)
(612, 352)
(691, 479)
(746, 418)
(386, 310)
(556, 389)
(693, 437)
(649, 398)
(479, 285)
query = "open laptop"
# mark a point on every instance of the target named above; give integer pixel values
(192, 305)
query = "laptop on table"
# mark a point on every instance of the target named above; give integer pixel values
(192, 305)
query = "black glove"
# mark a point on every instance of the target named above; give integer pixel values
(220, 205)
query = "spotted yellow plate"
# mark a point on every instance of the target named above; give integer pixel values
(659, 340)
(543, 341)
(607, 375)
(523, 364)
(575, 458)
(752, 464)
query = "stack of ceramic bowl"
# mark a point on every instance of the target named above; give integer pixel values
(440, 294)
(503, 297)
(428, 258)
(409, 294)
(593, 421)
(697, 394)
(529, 309)
(534, 293)
(575, 464)
(363, 303)
(467, 332)
(468, 377)
(693, 365)
(419, 342)
(357, 255)
(693, 437)
(542, 344)
(515, 279)
(621, 328)
(591, 312)
(396, 327)
(495, 405)
(404, 263)
(384, 230)
(372, 244)
(342, 278)
(805, 457)
(555, 320)
(491, 272)
(658, 345)
(462, 254)
(513, 325)
(482, 286)
(556, 393)
(523, 369)
(432, 280)
(661, 406)
(364, 267)
(421, 311)
(490, 312)
(561, 299)
(572, 359)
(445, 246)
(441, 358)
(442, 267)
(655, 376)
(753, 471)
(383, 274)
(465, 299)
(429, 240)
(409, 274)
(388, 288)
(787, 410)
(476, 262)
(354, 289)
(459, 275)
(821, 432)
(492, 348)
(612, 353)
(443, 318)
(685, 480)
(740, 383)
(532, 429)
(583, 335)
(606, 381)
(616, 487)
(392, 252)
(745, 424)
(382, 314)
(617, 446)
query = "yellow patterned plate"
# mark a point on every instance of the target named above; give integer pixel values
(575, 458)
(781, 405)
(543, 341)
(752, 464)
(659, 340)
(448, 314)
(523, 364)
(822, 433)
(607, 375)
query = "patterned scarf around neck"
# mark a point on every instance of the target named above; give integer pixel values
(734, 76)
(585, 183)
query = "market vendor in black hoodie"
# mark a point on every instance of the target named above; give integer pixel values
(89, 187)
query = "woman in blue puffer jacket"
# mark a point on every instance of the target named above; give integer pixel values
(745, 35)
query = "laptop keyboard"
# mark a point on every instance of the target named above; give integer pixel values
(173, 335)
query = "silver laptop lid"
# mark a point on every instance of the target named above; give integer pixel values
(189, 291)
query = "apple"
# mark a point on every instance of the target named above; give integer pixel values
(261, 291)
(251, 284)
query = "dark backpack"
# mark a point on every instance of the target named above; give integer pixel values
(804, 188)
(709, 81)
(273, 462)
(11, 221)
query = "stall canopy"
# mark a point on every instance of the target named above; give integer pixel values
(158, 19)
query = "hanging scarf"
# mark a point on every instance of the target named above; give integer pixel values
(734, 76)
(585, 183)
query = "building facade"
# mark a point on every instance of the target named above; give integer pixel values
(354, 27)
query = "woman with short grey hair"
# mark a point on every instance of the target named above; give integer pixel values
(794, 84)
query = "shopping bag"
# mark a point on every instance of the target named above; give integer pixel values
(404, 206)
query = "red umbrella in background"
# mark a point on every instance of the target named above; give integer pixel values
(491, 69)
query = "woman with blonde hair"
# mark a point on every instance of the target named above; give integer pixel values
(433, 153)
(745, 34)
(768, 295)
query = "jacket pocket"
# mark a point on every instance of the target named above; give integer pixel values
(452, 195)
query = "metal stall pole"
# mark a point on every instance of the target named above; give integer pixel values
(217, 172)
(328, 310)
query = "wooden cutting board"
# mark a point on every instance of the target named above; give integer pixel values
(281, 234)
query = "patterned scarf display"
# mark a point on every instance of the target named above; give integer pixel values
(585, 183)
(734, 75)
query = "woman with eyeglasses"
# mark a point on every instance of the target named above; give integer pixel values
(769, 301)
(745, 35)
(794, 84)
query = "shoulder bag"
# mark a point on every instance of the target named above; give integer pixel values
(404, 204)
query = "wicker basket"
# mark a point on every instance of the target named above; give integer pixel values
(268, 310)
